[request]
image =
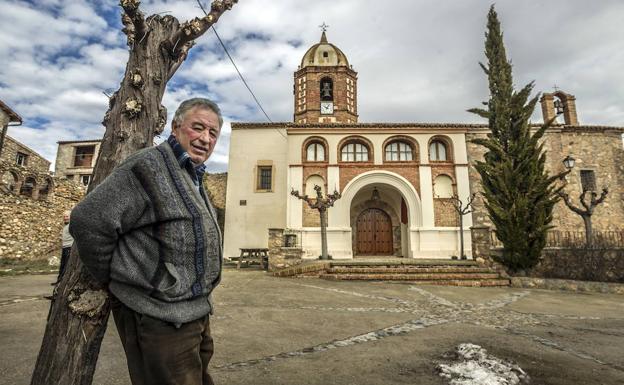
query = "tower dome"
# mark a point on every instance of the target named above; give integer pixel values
(324, 54)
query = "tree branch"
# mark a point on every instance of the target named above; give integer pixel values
(566, 200)
(196, 27)
(133, 20)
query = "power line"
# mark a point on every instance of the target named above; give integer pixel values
(238, 71)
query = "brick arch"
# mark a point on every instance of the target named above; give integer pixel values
(357, 139)
(401, 138)
(310, 140)
(450, 152)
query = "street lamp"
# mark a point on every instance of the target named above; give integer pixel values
(568, 162)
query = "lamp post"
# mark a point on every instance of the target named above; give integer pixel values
(321, 204)
(588, 206)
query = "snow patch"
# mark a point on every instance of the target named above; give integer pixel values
(473, 366)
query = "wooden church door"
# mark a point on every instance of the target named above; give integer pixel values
(374, 233)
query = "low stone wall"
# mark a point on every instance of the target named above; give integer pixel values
(31, 229)
(567, 285)
(595, 264)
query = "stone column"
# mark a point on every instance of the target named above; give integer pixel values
(481, 242)
(276, 241)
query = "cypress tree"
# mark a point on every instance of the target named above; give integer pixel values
(519, 194)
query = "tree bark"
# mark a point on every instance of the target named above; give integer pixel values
(588, 230)
(324, 253)
(79, 314)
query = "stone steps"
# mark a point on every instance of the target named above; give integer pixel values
(409, 270)
(423, 271)
(476, 282)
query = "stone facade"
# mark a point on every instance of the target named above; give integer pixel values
(75, 160)
(30, 160)
(25, 173)
(595, 148)
(31, 229)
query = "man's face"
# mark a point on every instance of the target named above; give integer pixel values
(198, 133)
(66, 218)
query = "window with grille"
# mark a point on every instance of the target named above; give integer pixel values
(354, 152)
(265, 176)
(315, 152)
(84, 156)
(437, 151)
(21, 159)
(588, 180)
(399, 151)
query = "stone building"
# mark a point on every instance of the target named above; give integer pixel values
(76, 159)
(22, 170)
(396, 179)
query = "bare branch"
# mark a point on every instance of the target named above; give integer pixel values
(133, 20)
(566, 200)
(181, 59)
(196, 27)
(603, 195)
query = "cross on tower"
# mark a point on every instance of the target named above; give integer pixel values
(324, 27)
(556, 88)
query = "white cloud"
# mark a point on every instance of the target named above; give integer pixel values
(417, 59)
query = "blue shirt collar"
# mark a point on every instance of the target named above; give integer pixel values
(184, 160)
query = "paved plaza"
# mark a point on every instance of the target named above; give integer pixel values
(310, 331)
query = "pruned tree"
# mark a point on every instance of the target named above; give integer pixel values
(321, 204)
(519, 193)
(462, 209)
(588, 209)
(158, 45)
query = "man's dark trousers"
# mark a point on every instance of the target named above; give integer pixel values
(158, 353)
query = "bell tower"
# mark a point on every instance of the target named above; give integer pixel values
(325, 86)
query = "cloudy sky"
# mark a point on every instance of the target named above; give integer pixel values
(417, 59)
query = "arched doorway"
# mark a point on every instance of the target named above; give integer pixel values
(374, 233)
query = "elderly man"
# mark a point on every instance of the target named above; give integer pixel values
(150, 233)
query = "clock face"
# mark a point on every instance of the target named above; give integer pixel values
(327, 108)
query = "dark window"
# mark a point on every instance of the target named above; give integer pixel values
(354, 152)
(327, 89)
(265, 177)
(437, 151)
(70, 176)
(315, 152)
(85, 179)
(325, 54)
(84, 156)
(21, 159)
(398, 151)
(588, 180)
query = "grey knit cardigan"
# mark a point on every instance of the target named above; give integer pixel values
(150, 234)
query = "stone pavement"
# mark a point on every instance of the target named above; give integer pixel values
(309, 331)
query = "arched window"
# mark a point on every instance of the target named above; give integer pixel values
(354, 152)
(443, 186)
(327, 89)
(315, 152)
(399, 151)
(437, 151)
(314, 180)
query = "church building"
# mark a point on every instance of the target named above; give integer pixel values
(395, 179)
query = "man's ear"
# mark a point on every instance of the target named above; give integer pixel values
(174, 128)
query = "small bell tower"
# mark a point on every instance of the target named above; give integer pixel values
(325, 86)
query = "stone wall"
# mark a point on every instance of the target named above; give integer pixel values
(34, 161)
(31, 229)
(65, 159)
(216, 186)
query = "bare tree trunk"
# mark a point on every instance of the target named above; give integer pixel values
(588, 230)
(324, 254)
(79, 314)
